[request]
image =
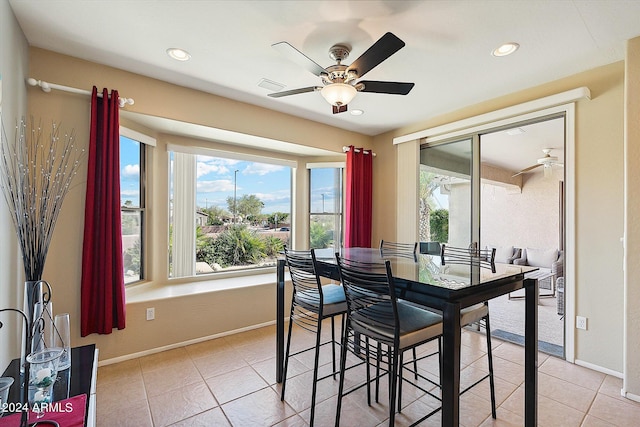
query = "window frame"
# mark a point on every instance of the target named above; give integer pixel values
(143, 140)
(327, 165)
(232, 155)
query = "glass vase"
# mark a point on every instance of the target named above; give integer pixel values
(32, 296)
(5, 385)
(43, 370)
(62, 339)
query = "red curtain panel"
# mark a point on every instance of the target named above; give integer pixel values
(102, 287)
(358, 198)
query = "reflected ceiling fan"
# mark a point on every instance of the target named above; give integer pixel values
(340, 82)
(547, 162)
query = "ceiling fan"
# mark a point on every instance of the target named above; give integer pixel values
(547, 161)
(340, 82)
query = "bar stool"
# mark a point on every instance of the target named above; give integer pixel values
(376, 316)
(311, 303)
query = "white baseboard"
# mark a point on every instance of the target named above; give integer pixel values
(599, 368)
(181, 344)
(630, 396)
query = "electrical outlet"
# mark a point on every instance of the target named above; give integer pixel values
(581, 322)
(151, 313)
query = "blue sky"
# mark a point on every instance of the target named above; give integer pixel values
(129, 171)
(215, 180)
(323, 182)
(270, 183)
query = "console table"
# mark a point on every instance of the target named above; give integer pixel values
(79, 379)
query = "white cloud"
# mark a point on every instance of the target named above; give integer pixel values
(218, 160)
(131, 171)
(280, 195)
(220, 166)
(215, 186)
(205, 168)
(129, 192)
(261, 169)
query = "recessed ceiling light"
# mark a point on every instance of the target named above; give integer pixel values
(357, 112)
(506, 49)
(178, 54)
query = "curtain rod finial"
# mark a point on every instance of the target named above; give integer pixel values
(125, 101)
(43, 85)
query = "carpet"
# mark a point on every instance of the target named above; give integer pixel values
(508, 315)
(545, 347)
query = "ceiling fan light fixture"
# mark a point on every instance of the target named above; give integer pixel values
(505, 49)
(338, 94)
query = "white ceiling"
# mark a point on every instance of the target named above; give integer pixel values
(522, 149)
(447, 52)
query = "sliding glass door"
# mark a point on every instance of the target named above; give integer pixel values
(504, 188)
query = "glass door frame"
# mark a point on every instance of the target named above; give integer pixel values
(449, 133)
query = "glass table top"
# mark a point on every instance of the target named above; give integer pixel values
(428, 269)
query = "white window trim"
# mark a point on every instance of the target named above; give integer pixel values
(184, 207)
(326, 165)
(211, 152)
(495, 118)
(137, 136)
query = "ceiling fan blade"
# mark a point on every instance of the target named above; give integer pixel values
(386, 46)
(294, 91)
(526, 170)
(340, 109)
(394, 88)
(299, 58)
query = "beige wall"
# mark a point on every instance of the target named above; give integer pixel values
(599, 202)
(13, 63)
(182, 318)
(460, 215)
(632, 224)
(599, 222)
(525, 219)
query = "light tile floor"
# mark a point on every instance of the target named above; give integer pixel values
(230, 381)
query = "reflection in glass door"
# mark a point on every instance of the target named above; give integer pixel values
(445, 193)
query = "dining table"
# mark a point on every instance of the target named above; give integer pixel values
(425, 280)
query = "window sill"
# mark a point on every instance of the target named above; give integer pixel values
(154, 291)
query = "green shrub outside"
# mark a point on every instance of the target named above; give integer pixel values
(237, 245)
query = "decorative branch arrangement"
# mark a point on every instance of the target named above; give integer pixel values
(35, 176)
